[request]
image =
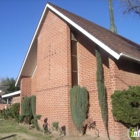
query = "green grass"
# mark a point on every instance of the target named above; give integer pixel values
(10, 126)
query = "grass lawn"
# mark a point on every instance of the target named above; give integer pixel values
(11, 130)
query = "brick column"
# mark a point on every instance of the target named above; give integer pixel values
(25, 88)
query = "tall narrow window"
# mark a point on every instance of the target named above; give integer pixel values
(74, 64)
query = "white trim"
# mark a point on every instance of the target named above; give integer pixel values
(31, 45)
(7, 101)
(34, 71)
(102, 45)
(129, 56)
(11, 94)
(94, 39)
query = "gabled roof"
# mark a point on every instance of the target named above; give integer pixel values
(114, 44)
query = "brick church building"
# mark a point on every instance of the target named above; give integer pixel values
(62, 54)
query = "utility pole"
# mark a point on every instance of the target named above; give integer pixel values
(112, 21)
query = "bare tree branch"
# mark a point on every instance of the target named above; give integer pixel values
(131, 6)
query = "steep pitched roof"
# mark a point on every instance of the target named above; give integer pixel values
(113, 41)
(114, 44)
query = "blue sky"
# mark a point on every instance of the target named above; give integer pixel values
(19, 19)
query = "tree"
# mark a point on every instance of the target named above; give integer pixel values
(7, 85)
(131, 6)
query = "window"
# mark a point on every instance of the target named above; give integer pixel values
(74, 64)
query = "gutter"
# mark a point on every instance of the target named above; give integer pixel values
(11, 94)
(129, 57)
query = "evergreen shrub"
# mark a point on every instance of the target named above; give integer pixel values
(33, 105)
(102, 97)
(15, 110)
(79, 103)
(7, 114)
(21, 118)
(55, 125)
(35, 122)
(28, 108)
(126, 106)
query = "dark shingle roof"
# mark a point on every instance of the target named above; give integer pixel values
(115, 42)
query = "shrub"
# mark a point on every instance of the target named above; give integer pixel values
(21, 118)
(15, 110)
(55, 125)
(79, 106)
(126, 105)
(35, 123)
(28, 107)
(7, 114)
(102, 97)
(33, 105)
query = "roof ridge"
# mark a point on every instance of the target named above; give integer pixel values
(132, 42)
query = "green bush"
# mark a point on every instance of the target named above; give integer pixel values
(55, 125)
(33, 105)
(7, 114)
(37, 117)
(21, 118)
(126, 106)
(79, 106)
(15, 110)
(28, 108)
(35, 123)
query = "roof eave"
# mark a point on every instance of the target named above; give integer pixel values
(35, 34)
(94, 39)
(11, 94)
(129, 57)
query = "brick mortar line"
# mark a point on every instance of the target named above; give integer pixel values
(53, 88)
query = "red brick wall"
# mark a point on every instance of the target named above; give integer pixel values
(87, 78)
(16, 100)
(51, 81)
(25, 85)
(116, 76)
(2, 106)
(127, 73)
(25, 88)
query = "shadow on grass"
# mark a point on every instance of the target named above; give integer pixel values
(8, 137)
